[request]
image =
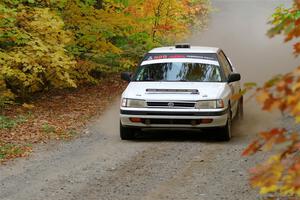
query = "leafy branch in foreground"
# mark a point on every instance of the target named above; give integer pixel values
(279, 176)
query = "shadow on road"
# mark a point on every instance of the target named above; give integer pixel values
(210, 136)
(168, 135)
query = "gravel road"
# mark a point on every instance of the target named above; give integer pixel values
(163, 165)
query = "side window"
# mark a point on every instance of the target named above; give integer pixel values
(225, 64)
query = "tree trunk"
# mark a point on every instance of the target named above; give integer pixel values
(99, 4)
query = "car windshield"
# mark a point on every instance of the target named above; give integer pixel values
(177, 71)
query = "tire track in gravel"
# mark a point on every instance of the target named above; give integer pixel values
(209, 176)
(166, 190)
(148, 170)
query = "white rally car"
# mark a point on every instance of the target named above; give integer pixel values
(178, 87)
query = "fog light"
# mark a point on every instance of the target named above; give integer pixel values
(194, 122)
(147, 122)
(136, 120)
(206, 121)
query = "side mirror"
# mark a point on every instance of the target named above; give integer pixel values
(126, 76)
(234, 77)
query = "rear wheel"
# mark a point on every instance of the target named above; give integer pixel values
(127, 133)
(226, 133)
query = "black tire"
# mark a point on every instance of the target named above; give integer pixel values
(226, 132)
(127, 133)
(240, 111)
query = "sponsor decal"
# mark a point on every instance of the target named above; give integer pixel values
(174, 56)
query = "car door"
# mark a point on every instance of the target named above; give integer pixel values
(228, 69)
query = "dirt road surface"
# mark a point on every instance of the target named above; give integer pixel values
(163, 165)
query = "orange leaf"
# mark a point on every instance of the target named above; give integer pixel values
(252, 148)
(262, 96)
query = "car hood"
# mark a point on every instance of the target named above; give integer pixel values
(185, 91)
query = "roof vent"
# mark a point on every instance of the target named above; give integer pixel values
(183, 46)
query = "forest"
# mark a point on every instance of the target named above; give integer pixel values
(53, 44)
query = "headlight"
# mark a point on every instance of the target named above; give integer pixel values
(133, 103)
(211, 104)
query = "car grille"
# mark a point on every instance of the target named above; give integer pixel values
(172, 121)
(171, 104)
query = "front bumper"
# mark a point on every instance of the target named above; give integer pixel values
(173, 118)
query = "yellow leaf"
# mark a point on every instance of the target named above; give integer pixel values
(296, 87)
(28, 106)
(266, 190)
(297, 119)
(296, 109)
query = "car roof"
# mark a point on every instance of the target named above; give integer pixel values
(191, 49)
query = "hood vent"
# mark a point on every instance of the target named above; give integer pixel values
(172, 91)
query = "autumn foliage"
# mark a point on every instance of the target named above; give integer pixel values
(279, 176)
(49, 44)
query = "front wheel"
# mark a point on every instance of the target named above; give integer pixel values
(226, 133)
(126, 133)
(240, 111)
